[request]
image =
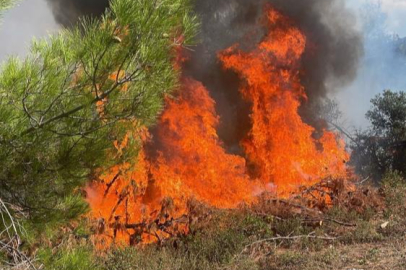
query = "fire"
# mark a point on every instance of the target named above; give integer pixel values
(185, 158)
(280, 146)
(190, 164)
(192, 160)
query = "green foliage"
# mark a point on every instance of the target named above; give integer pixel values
(388, 114)
(63, 106)
(259, 227)
(343, 214)
(289, 227)
(5, 4)
(382, 147)
(365, 232)
(68, 259)
(217, 247)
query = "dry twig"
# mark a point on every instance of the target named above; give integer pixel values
(295, 237)
(10, 241)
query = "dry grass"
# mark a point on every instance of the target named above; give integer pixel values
(297, 234)
(390, 255)
(289, 235)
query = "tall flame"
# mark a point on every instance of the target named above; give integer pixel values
(280, 145)
(192, 160)
(186, 160)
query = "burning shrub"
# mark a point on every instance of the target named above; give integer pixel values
(185, 159)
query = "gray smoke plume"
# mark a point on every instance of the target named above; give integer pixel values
(330, 61)
(333, 51)
(382, 67)
(67, 12)
(223, 24)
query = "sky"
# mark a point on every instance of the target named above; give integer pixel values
(396, 10)
(380, 69)
(30, 18)
(33, 18)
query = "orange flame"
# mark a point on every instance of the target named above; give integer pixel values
(193, 162)
(280, 145)
(186, 160)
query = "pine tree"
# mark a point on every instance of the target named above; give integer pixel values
(62, 107)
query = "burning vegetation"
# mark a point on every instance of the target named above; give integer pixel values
(215, 156)
(184, 159)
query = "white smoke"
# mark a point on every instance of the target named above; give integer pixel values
(383, 65)
(30, 18)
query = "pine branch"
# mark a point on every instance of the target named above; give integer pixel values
(74, 110)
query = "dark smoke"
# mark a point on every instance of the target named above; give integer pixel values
(331, 58)
(333, 51)
(68, 12)
(225, 23)
(334, 48)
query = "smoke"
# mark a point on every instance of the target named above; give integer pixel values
(382, 67)
(334, 45)
(223, 24)
(19, 25)
(330, 61)
(68, 12)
